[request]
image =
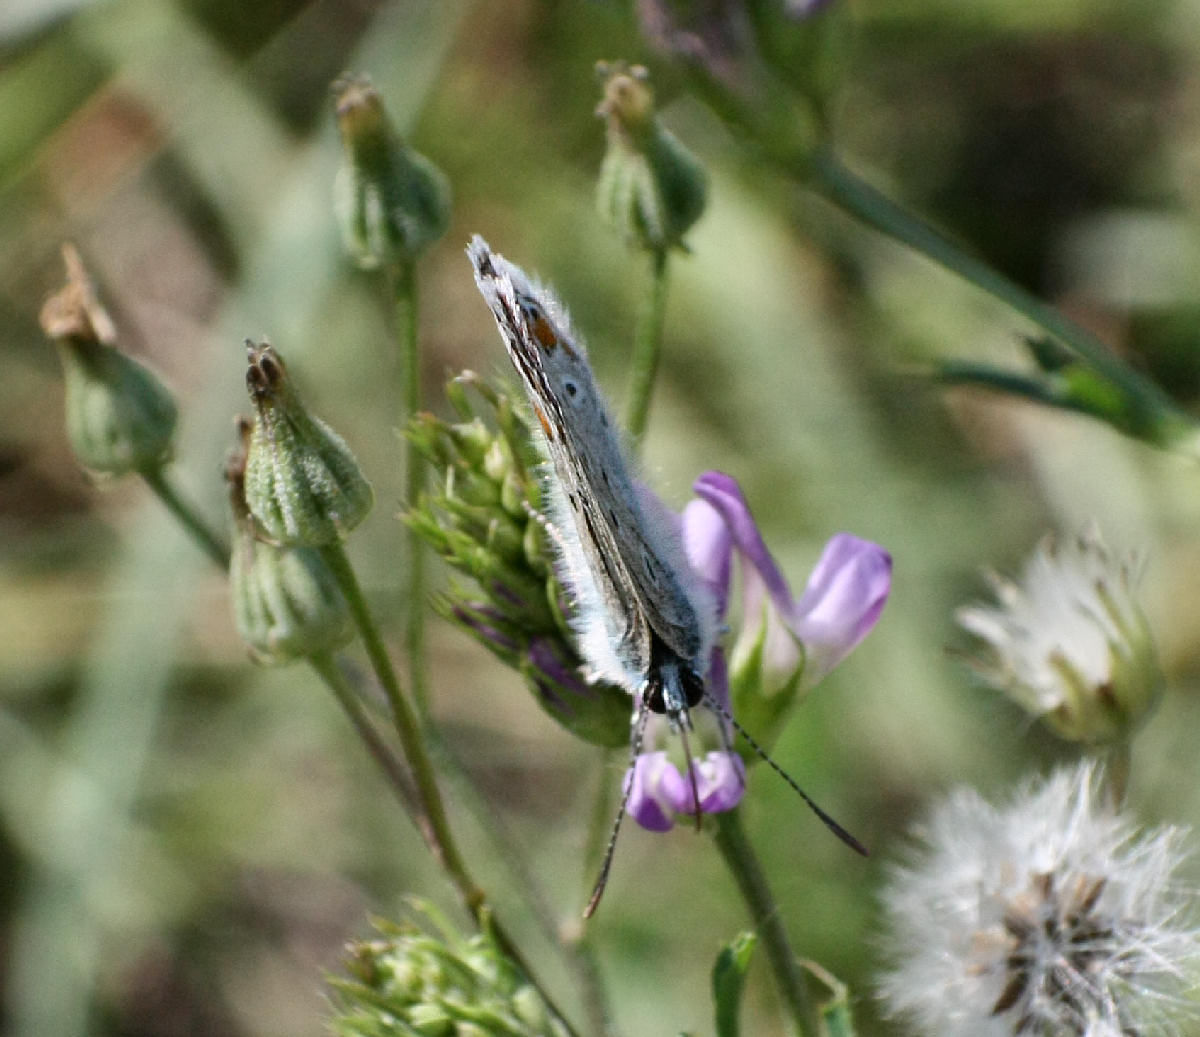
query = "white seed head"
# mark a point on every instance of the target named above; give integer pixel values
(1049, 917)
(1069, 642)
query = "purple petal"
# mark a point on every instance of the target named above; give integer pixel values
(709, 548)
(842, 602)
(658, 792)
(720, 780)
(725, 496)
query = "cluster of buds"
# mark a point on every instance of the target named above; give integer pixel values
(412, 981)
(651, 188)
(392, 202)
(484, 519)
(120, 416)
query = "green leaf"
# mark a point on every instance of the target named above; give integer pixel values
(834, 1005)
(728, 978)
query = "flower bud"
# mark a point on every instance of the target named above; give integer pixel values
(651, 188)
(453, 986)
(302, 483)
(391, 202)
(1070, 643)
(286, 600)
(120, 417)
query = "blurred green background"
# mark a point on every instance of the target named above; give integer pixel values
(186, 840)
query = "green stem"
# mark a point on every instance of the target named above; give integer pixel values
(647, 348)
(752, 882)
(209, 541)
(430, 813)
(404, 291)
(327, 669)
(1117, 766)
(826, 175)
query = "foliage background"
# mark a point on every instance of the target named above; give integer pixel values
(185, 840)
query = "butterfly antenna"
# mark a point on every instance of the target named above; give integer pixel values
(828, 821)
(687, 755)
(606, 865)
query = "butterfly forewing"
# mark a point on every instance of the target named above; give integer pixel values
(637, 560)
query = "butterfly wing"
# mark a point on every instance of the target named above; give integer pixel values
(634, 559)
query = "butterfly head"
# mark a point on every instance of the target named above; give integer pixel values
(672, 687)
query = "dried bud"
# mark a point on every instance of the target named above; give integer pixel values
(286, 600)
(120, 416)
(302, 483)
(651, 188)
(391, 201)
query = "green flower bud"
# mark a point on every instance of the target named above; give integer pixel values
(286, 600)
(391, 201)
(120, 416)
(467, 988)
(302, 483)
(651, 188)
(485, 523)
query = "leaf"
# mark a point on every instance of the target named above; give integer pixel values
(834, 1005)
(728, 978)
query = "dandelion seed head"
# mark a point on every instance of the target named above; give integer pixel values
(1049, 916)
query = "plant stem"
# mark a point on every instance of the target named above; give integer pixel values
(752, 882)
(208, 540)
(327, 669)
(431, 813)
(404, 292)
(826, 175)
(647, 348)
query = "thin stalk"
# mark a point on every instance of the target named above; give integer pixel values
(423, 802)
(328, 670)
(826, 175)
(430, 815)
(404, 293)
(207, 539)
(741, 860)
(647, 348)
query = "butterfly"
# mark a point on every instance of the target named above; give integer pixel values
(643, 619)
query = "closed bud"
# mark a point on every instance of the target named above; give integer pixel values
(286, 601)
(391, 201)
(303, 485)
(120, 416)
(651, 188)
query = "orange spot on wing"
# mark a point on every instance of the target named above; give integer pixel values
(543, 331)
(541, 416)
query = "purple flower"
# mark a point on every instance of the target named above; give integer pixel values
(795, 643)
(659, 792)
(784, 645)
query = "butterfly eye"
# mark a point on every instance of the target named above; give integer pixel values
(693, 686)
(654, 697)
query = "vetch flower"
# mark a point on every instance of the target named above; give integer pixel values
(1049, 917)
(785, 646)
(1069, 642)
(660, 792)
